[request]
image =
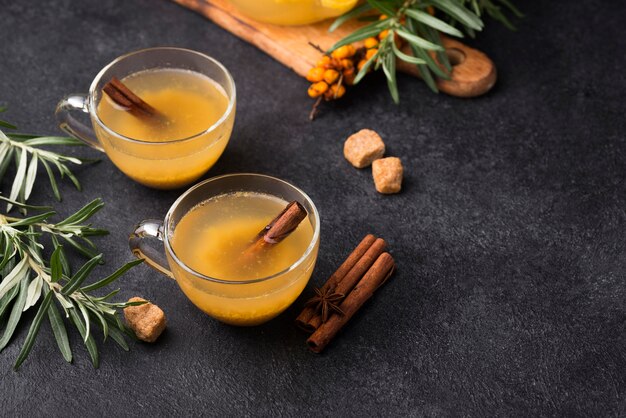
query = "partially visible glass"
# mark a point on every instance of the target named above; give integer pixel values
(163, 165)
(293, 12)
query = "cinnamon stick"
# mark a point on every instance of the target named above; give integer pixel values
(278, 229)
(345, 285)
(309, 311)
(376, 276)
(124, 97)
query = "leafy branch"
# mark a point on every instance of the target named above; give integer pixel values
(27, 278)
(418, 24)
(23, 151)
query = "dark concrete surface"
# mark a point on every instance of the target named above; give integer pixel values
(509, 234)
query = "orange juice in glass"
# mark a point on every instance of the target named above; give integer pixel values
(196, 97)
(205, 237)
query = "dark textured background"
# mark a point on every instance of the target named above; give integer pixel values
(509, 234)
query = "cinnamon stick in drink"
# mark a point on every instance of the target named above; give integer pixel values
(377, 275)
(124, 97)
(278, 229)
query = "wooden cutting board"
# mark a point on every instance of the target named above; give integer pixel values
(473, 74)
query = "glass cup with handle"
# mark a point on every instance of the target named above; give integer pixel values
(164, 163)
(237, 302)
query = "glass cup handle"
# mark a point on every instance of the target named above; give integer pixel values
(145, 231)
(71, 125)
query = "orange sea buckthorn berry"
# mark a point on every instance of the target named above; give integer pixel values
(315, 74)
(336, 91)
(371, 43)
(317, 89)
(323, 62)
(347, 63)
(330, 76)
(348, 76)
(382, 35)
(345, 51)
(382, 17)
(361, 64)
(370, 53)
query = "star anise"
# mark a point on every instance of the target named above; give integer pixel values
(325, 302)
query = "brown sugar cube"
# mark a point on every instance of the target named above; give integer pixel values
(387, 174)
(363, 147)
(147, 320)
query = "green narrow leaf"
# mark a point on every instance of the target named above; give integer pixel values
(83, 213)
(33, 219)
(118, 325)
(60, 332)
(432, 65)
(110, 279)
(53, 180)
(476, 7)
(405, 57)
(512, 8)
(56, 268)
(9, 251)
(418, 41)
(24, 205)
(80, 248)
(62, 257)
(365, 32)
(35, 140)
(7, 125)
(497, 14)
(85, 314)
(4, 149)
(20, 136)
(442, 56)
(33, 330)
(103, 322)
(5, 301)
(389, 68)
(108, 296)
(381, 7)
(423, 69)
(78, 278)
(18, 182)
(5, 162)
(460, 13)
(34, 292)
(349, 15)
(13, 278)
(118, 337)
(88, 242)
(31, 175)
(90, 343)
(93, 232)
(433, 22)
(72, 177)
(16, 314)
(365, 68)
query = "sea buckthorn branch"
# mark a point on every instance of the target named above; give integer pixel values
(407, 30)
(30, 280)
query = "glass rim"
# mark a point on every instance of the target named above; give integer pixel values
(220, 121)
(293, 266)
